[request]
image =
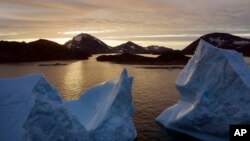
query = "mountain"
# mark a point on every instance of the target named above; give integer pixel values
(130, 47)
(154, 49)
(40, 50)
(222, 40)
(89, 44)
(92, 45)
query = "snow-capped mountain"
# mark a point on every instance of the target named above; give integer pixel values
(89, 44)
(222, 40)
(130, 47)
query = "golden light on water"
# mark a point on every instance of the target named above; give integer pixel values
(71, 80)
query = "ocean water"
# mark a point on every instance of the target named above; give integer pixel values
(153, 88)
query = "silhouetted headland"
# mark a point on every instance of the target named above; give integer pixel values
(168, 58)
(40, 50)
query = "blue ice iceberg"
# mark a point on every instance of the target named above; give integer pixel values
(32, 110)
(214, 92)
(106, 110)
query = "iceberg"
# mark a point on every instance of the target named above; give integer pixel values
(32, 110)
(214, 92)
(105, 110)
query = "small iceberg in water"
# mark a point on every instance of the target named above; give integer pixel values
(32, 110)
(214, 92)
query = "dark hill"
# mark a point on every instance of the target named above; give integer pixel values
(40, 50)
(168, 58)
(222, 40)
(174, 56)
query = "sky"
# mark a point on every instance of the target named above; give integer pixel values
(171, 23)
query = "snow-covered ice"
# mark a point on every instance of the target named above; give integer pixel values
(31, 109)
(106, 110)
(214, 92)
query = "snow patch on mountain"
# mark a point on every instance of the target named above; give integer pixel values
(69, 45)
(156, 48)
(217, 40)
(132, 47)
(78, 38)
(241, 42)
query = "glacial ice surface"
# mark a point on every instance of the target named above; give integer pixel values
(214, 92)
(32, 110)
(106, 110)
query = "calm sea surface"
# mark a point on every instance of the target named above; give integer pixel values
(153, 89)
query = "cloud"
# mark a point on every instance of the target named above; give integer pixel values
(8, 34)
(85, 31)
(47, 18)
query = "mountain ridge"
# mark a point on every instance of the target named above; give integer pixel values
(39, 50)
(222, 40)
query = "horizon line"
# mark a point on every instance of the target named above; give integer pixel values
(115, 41)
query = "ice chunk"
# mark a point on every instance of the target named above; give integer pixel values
(214, 92)
(15, 105)
(106, 110)
(31, 109)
